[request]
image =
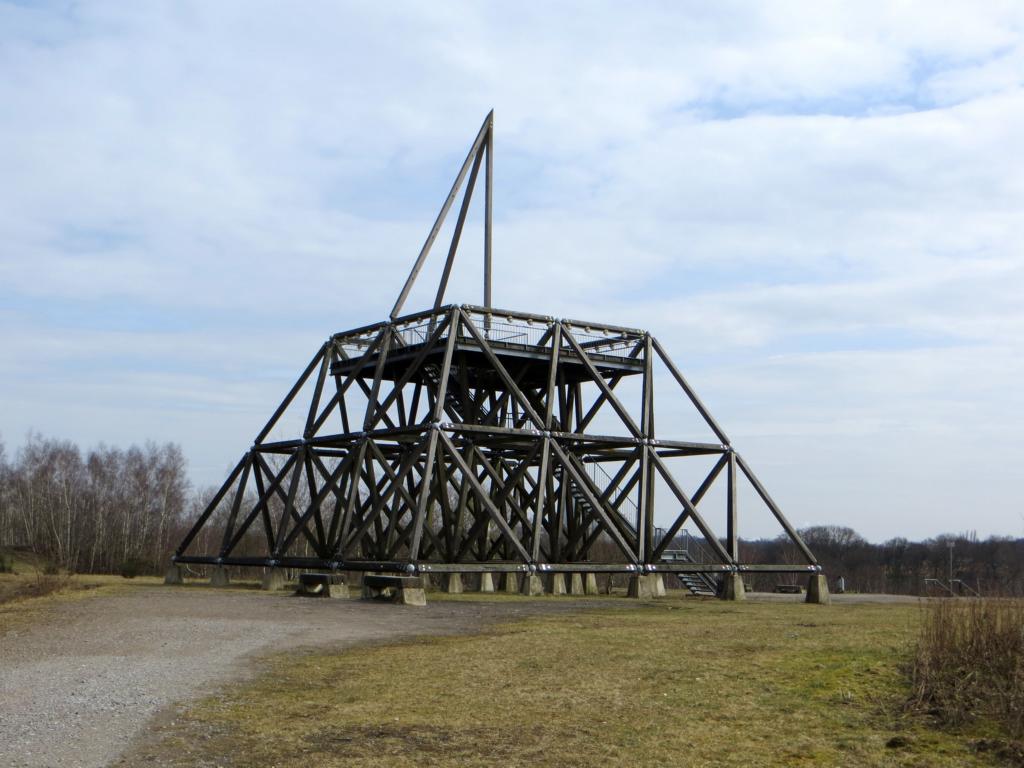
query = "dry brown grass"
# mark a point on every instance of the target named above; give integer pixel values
(969, 662)
(26, 576)
(673, 683)
(28, 591)
(39, 585)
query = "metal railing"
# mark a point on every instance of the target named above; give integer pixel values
(627, 508)
(502, 329)
(616, 345)
(416, 334)
(950, 586)
(685, 546)
(508, 333)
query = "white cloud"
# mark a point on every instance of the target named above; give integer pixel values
(816, 207)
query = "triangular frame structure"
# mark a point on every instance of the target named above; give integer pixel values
(461, 439)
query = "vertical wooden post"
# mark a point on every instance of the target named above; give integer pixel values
(645, 534)
(488, 179)
(732, 531)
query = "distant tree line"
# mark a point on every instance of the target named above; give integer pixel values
(992, 566)
(96, 511)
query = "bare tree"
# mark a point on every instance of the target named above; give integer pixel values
(97, 513)
(6, 519)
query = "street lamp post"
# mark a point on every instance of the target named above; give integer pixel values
(950, 544)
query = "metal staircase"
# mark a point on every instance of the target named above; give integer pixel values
(452, 402)
(699, 584)
(627, 509)
(692, 551)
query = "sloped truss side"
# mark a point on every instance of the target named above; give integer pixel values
(465, 439)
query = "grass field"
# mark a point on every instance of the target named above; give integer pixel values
(675, 682)
(26, 591)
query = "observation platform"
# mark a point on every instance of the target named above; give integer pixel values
(523, 343)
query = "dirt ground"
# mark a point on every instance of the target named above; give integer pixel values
(79, 683)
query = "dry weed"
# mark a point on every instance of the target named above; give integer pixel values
(969, 662)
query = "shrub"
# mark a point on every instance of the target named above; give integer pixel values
(969, 662)
(40, 586)
(6, 563)
(133, 567)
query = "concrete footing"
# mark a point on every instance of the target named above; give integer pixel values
(410, 596)
(658, 582)
(590, 584)
(646, 586)
(175, 575)
(532, 585)
(273, 579)
(404, 590)
(556, 584)
(576, 584)
(486, 582)
(321, 585)
(453, 583)
(732, 587)
(817, 590)
(219, 577)
(338, 588)
(509, 582)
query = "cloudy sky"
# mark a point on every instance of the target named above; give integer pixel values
(817, 207)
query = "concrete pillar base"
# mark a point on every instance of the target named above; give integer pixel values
(639, 588)
(532, 585)
(396, 589)
(556, 583)
(732, 587)
(321, 585)
(486, 582)
(646, 586)
(453, 583)
(817, 590)
(576, 584)
(410, 596)
(273, 579)
(590, 584)
(175, 575)
(657, 584)
(509, 582)
(219, 577)
(338, 588)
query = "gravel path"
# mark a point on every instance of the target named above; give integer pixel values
(77, 686)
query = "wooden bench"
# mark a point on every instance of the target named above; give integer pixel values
(321, 585)
(404, 590)
(789, 589)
